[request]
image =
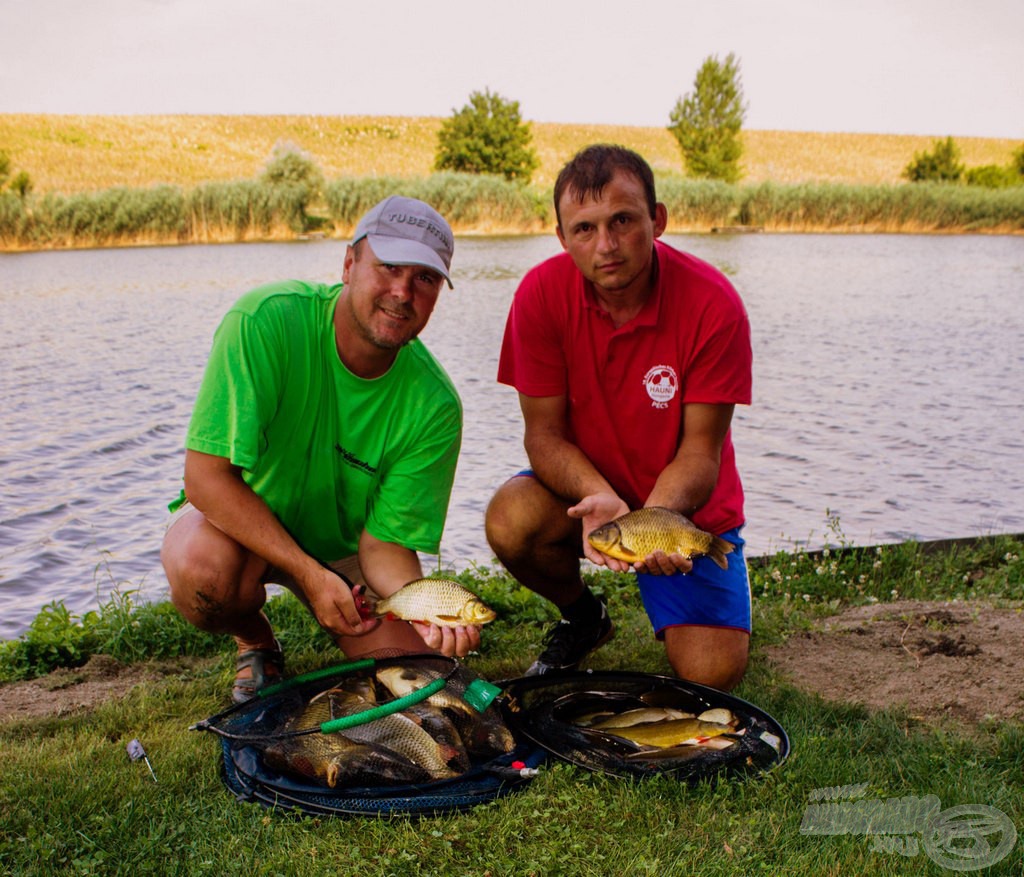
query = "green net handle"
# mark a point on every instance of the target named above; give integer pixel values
(352, 666)
(378, 712)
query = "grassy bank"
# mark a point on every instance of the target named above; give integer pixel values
(72, 802)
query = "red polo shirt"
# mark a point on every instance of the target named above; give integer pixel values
(626, 387)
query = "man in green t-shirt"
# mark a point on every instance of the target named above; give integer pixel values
(322, 448)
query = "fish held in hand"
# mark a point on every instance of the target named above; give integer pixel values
(443, 602)
(635, 535)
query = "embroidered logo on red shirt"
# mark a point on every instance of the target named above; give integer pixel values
(662, 384)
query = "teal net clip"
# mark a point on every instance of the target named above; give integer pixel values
(480, 694)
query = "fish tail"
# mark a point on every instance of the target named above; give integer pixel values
(718, 549)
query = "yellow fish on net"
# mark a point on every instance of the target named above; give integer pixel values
(635, 535)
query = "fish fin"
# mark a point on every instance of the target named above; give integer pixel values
(718, 549)
(450, 619)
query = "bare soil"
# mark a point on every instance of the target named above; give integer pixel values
(68, 691)
(940, 661)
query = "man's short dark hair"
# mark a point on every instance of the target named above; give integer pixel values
(591, 169)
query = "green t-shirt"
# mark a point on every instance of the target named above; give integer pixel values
(329, 452)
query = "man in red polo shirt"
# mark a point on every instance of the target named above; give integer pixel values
(629, 357)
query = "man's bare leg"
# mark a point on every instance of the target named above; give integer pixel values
(535, 540)
(714, 656)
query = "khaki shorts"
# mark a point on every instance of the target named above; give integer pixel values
(347, 567)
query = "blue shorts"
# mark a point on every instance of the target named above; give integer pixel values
(708, 596)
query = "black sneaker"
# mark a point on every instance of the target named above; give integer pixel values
(569, 642)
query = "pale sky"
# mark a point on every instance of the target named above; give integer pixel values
(927, 67)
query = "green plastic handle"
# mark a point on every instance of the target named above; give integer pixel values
(378, 712)
(363, 664)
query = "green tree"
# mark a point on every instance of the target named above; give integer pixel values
(941, 165)
(487, 136)
(706, 123)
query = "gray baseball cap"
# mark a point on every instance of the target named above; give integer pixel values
(406, 231)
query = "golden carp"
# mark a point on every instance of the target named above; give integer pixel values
(483, 734)
(397, 732)
(673, 732)
(635, 535)
(334, 759)
(443, 602)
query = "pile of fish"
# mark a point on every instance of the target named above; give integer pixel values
(635, 535)
(641, 725)
(436, 739)
(666, 733)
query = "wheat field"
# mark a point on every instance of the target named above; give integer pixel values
(70, 154)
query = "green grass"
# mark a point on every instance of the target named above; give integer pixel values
(71, 801)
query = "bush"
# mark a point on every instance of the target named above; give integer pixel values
(941, 165)
(1018, 162)
(296, 182)
(699, 203)
(461, 198)
(13, 219)
(993, 176)
(487, 136)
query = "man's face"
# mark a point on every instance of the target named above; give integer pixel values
(611, 238)
(388, 304)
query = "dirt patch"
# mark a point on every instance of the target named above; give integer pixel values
(963, 661)
(68, 691)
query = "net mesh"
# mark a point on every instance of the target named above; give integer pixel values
(555, 712)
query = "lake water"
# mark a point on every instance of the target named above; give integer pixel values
(887, 391)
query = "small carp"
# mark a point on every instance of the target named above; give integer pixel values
(639, 717)
(720, 715)
(335, 759)
(672, 732)
(396, 732)
(635, 535)
(443, 602)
